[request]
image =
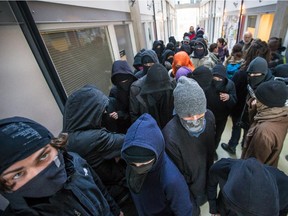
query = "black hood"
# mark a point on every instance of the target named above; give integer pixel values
(156, 44)
(258, 65)
(281, 70)
(172, 40)
(203, 76)
(170, 46)
(152, 54)
(121, 67)
(137, 58)
(220, 71)
(157, 80)
(166, 54)
(251, 190)
(84, 109)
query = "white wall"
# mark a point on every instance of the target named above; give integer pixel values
(235, 4)
(117, 5)
(23, 89)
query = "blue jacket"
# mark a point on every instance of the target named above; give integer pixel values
(164, 191)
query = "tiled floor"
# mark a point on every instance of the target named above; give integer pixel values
(283, 163)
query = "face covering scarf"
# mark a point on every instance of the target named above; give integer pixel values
(137, 175)
(125, 85)
(47, 182)
(194, 127)
(219, 85)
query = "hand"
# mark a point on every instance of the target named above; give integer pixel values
(117, 159)
(253, 103)
(224, 97)
(114, 115)
(121, 213)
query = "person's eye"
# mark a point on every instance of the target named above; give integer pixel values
(18, 175)
(44, 156)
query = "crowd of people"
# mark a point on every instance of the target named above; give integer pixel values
(149, 147)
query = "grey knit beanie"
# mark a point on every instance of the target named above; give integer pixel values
(189, 98)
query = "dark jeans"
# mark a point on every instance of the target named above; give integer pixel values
(236, 132)
(220, 126)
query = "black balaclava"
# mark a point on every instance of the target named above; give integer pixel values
(123, 81)
(219, 71)
(145, 60)
(200, 49)
(258, 65)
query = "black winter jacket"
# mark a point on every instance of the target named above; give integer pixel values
(82, 121)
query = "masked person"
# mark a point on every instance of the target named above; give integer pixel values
(257, 73)
(248, 188)
(156, 185)
(158, 47)
(221, 98)
(267, 133)
(167, 59)
(200, 54)
(153, 94)
(122, 77)
(84, 113)
(189, 137)
(137, 64)
(39, 177)
(239, 114)
(148, 58)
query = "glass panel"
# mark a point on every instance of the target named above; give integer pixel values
(124, 43)
(265, 26)
(251, 24)
(81, 56)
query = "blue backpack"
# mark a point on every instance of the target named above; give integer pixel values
(231, 69)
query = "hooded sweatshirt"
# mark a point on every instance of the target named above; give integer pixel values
(120, 93)
(165, 61)
(137, 60)
(247, 187)
(82, 121)
(221, 109)
(153, 94)
(164, 191)
(158, 47)
(152, 54)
